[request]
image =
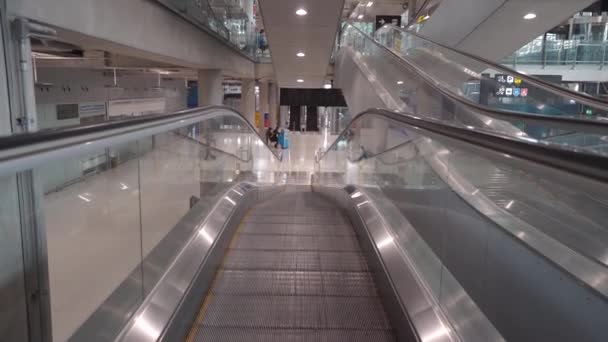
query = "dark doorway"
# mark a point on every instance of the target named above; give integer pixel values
(294, 118)
(312, 119)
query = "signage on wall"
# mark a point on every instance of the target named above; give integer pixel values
(510, 86)
(382, 20)
(266, 120)
(91, 109)
(232, 89)
(257, 119)
(67, 111)
(136, 107)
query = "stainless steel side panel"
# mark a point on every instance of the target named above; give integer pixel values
(404, 296)
(161, 313)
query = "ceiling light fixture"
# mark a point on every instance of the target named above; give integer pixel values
(399, 82)
(530, 16)
(301, 54)
(369, 4)
(327, 86)
(360, 16)
(300, 80)
(301, 12)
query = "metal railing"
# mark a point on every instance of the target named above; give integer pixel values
(561, 52)
(231, 27)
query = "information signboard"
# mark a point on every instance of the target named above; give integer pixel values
(510, 86)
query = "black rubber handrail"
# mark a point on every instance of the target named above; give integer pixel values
(568, 123)
(22, 140)
(570, 160)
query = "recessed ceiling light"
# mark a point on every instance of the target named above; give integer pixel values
(300, 80)
(369, 4)
(301, 12)
(530, 16)
(300, 54)
(327, 86)
(360, 16)
(399, 82)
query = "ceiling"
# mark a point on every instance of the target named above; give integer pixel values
(378, 7)
(314, 34)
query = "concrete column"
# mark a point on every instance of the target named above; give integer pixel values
(284, 116)
(247, 106)
(264, 108)
(210, 88)
(273, 104)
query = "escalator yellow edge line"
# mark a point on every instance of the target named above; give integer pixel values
(201, 314)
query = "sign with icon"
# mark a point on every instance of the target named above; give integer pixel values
(509, 86)
(382, 20)
(516, 92)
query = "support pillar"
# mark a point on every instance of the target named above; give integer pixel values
(23, 246)
(273, 104)
(264, 107)
(247, 105)
(210, 88)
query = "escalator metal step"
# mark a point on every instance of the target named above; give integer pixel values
(296, 242)
(296, 229)
(310, 219)
(295, 312)
(295, 261)
(221, 334)
(293, 278)
(294, 283)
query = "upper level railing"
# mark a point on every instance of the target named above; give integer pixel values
(570, 53)
(225, 20)
(581, 41)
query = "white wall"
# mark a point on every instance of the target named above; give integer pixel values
(95, 86)
(90, 87)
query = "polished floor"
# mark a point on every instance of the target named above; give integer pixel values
(293, 272)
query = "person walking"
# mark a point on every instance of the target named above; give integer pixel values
(262, 43)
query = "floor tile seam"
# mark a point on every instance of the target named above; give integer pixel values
(266, 327)
(219, 295)
(303, 235)
(297, 213)
(246, 327)
(286, 269)
(296, 250)
(223, 269)
(301, 223)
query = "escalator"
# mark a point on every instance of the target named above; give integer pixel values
(400, 70)
(294, 271)
(200, 236)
